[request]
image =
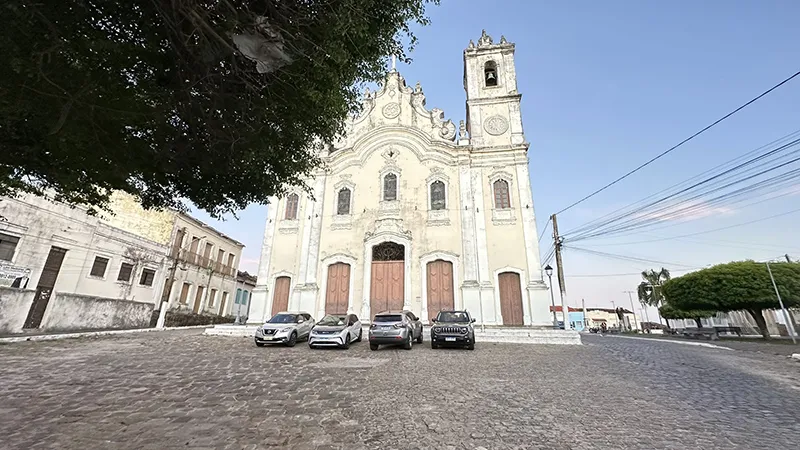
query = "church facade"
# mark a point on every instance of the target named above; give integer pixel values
(413, 212)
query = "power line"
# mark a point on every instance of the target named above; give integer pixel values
(625, 258)
(603, 275)
(545, 229)
(653, 216)
(679, 144)
(782, 140)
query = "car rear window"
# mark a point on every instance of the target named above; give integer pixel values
(389, 318)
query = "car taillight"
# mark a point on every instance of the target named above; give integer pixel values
(373, 326)
(398, 325)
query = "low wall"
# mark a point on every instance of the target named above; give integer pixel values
(70, 312)
(14, 306)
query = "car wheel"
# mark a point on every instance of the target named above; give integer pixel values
(434, 345)
(409, 342)
(292, 340)
(346, 344)
(419, 339)
(360, 332)
(373, 347)
(471, 346)
(259, 344)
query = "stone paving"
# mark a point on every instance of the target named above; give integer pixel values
(184, 390)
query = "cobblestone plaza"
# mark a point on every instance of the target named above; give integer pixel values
(181, 389)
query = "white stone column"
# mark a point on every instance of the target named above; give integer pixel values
(470, 288)
(309, 294)
(484, 274)
(261, 303)
(538, 303)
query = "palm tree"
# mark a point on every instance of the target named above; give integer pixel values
(649, 290)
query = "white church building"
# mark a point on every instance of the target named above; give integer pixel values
(413, 212)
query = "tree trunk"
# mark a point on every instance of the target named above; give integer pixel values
(667, 320)
(698, 322)
(758, 316)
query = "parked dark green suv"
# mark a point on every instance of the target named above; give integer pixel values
(453, 328)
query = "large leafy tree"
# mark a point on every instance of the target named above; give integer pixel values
(221, 102)
(668, 311)
(649, 290)
(736, 286)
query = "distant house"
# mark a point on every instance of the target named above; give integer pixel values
(245, 283)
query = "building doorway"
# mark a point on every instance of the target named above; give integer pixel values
(510, 298)
(337, 295)
(440, 295)
(387, 283)
(44, 290)
(280, 296)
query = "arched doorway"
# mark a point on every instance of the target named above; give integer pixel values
(337, 295)
(510, 298)
(280, 296)
(440, 295)
(387, 283)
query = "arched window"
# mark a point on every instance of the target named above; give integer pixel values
(438, 200)
(502, 199)
(291, 207)
(390, 187)
(343, 202)
(490, 73)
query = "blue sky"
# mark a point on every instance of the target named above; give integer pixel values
(608, 85)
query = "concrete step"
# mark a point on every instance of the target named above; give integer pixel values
(494, 334)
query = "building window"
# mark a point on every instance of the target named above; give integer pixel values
(502, 200)
(291, 207)
(390, 187)
(212, 297)
(147, 278)
(343, 202)
(244, 297)
(490, 73)
(99, 267)
(238, 296)
(438, 200)
(7, 246)
(125, 272)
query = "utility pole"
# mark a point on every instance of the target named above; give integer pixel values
(560, 267)
(633, 310)
(787, 258)
(789, 324)
(585, 320)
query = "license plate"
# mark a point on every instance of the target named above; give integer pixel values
(450, 339)
(386, 328)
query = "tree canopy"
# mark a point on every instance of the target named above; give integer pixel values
(736, 286)
(218, 102)
(649, 290)
(670, 312)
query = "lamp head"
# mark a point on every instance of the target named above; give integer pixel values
(548, 270)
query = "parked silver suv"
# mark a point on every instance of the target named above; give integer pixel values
(393, 328)
(285, 328)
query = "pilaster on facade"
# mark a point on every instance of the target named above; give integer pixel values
(469, 249)
(258, 303)
(528, 223)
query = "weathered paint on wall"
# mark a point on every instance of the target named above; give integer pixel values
(14, 307)
(69, 312)
(129, 215)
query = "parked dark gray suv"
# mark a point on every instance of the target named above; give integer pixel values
(453, 328)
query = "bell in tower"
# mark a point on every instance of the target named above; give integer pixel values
(490, 73)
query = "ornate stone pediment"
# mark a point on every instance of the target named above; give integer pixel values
(397, 104)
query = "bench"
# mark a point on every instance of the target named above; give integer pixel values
(735, 330)
(708, 333)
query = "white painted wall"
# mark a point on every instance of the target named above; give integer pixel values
(41, 224)
(14, 307)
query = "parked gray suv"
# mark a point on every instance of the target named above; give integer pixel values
(393, 328)
(453, 328)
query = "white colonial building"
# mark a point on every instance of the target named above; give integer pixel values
(414, 212)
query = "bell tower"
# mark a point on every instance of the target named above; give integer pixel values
(490, 80)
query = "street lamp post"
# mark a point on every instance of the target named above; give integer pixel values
(549, 271)
(789, 325)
